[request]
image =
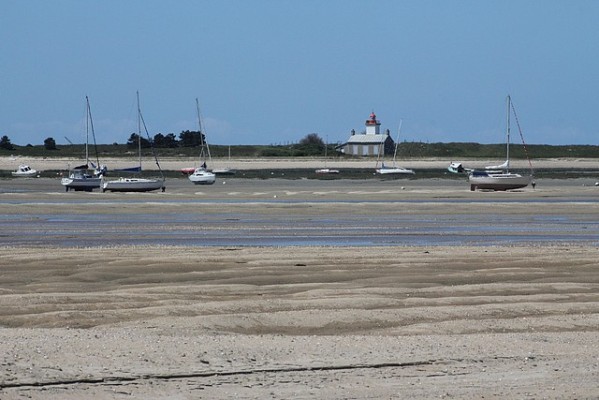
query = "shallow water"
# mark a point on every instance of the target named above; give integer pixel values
(260, 229)
(299, 213)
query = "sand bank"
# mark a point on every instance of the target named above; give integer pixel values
(338, 322)
(299, 323)
(175, 164)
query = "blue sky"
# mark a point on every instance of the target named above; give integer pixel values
(270, 72)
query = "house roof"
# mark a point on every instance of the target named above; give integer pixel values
(367, 139)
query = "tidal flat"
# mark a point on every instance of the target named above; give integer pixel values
(299, 289)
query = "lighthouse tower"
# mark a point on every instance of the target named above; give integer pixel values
(372, 125)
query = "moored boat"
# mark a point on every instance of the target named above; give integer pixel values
(81, 178)
(24, 171)
(499, 177)
(136, 184)
(201, 175)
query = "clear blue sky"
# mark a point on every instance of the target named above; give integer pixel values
(274, 71)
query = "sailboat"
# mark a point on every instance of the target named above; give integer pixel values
(80, 178)
(393, 169)
(201, 175)
(326, 170)
(137, 184)
(499, 177)
(224, 170)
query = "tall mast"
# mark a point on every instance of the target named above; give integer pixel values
(203, 142)
(397, 143)
(87, 116)
(508, 133)
(139, 130)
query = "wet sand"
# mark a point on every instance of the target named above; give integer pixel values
(113, 322)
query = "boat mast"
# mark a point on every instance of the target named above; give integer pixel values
(139, 130)
(87, 117)
(397, 143)
(90, 123)
(203, 142)
(508, 134)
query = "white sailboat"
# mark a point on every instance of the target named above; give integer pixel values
(393, 169)
(499, 177)
(80, 178)
(326, 170)
(137, 184)
(224, 170)
(201, 175)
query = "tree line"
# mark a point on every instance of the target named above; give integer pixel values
(185, 139)
(168, 141)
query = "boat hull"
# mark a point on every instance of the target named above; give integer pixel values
(202, 177)
(133, 185)
(81, 183)
(498, 182)
(324, 171)
(223, 171)
(394, 171)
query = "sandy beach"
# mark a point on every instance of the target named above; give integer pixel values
(176, 164)
(158, 321)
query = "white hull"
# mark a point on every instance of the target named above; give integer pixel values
(24, 171)
(133, 185)
(223, 171)
(82, 181)
(327, 171)
(202, 177)
(497, 180)
(394, 171)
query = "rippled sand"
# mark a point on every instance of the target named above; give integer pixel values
(111, 322)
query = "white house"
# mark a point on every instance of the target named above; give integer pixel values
(369, 143)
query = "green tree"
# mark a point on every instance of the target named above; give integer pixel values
(50, 144)
(310, 145)
(191, 138)
(312, 139)
(168, 141)
(132, 143)
(6, 144)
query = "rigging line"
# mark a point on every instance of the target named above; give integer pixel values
(91, 124)
(143, 122)
(521, 137)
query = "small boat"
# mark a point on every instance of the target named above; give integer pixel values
(201, 175)
(394, 169)
(223, 171)
(80, 178)
(133, 185)
(136, 184)
(188, 171)
(325, 170)
(499, 177)
(458, 168)
(24, 171)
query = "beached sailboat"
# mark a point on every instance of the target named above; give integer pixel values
(224, 170)
(125, 184)
(81, 178)
(499, 177)
(201, 175)
(326, 170)
(394, 169)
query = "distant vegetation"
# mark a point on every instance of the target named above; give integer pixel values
(189, 142)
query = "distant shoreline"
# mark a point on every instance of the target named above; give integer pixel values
(8, 163)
